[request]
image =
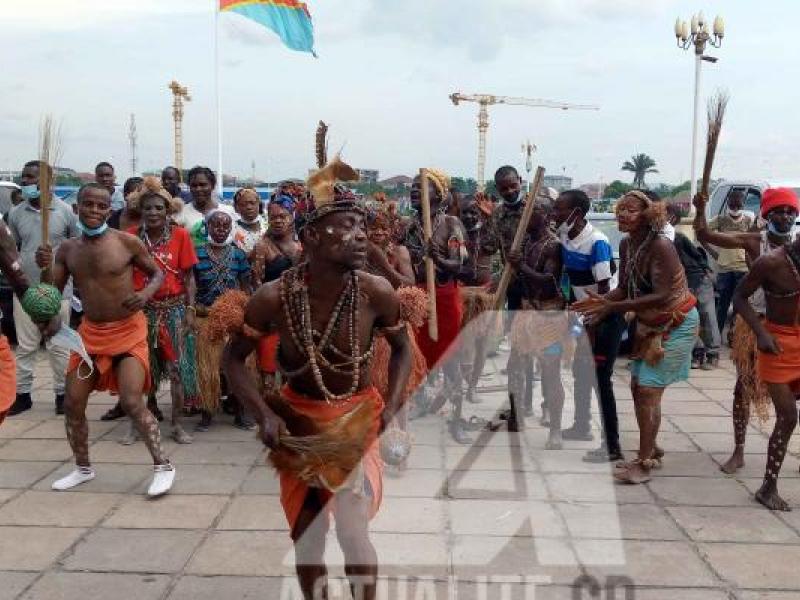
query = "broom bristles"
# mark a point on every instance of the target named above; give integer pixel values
(716, 116)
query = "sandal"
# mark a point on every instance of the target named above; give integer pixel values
(627, 475)
(476, 423)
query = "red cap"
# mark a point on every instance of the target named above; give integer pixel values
(775, 197)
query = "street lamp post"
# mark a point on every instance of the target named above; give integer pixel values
(696, 33)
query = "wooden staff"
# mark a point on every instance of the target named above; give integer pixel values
(45, 200)
(519, 237)
(430, 268)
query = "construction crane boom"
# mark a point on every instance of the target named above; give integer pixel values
(486, 100)
(180, 94)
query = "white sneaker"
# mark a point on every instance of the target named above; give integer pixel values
(163, 478)
(77, 477)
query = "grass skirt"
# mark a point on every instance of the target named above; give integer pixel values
(744, 354)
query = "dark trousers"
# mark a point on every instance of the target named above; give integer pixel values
(726, 284)
(514, 299)
(595, 366)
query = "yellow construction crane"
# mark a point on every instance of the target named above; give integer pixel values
(180, 94)
(486, 100)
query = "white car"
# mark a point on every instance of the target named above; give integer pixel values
(6, 188)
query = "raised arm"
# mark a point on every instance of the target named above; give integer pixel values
(706, 235)
(257, 321)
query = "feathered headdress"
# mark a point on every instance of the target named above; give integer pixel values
(327, 196)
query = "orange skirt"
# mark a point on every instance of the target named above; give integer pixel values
(8, 377)
(783, 367)
(106, 341)
(294, 490)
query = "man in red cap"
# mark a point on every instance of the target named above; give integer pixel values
(777, 207)
(777, 336)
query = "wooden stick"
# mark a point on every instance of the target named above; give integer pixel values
(430, 268)
(519, 237)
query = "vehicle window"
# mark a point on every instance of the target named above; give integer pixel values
(752, 201)
(724, 205)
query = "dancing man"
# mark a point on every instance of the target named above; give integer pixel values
(327, 312)
(777, 335)
(749, 390)
(114, 330)
(653, 287)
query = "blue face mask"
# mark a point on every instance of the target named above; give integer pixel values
(30, 192)
(89, 232)
(774, 230)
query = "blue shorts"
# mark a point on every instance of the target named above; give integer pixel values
(677, 356)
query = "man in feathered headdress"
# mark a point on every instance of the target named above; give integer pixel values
(323, 428)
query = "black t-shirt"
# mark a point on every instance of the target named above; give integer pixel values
(693, 258)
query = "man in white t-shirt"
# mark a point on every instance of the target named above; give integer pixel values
(589, 266)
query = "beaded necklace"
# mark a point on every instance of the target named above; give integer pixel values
(157, 249)
(312, 344)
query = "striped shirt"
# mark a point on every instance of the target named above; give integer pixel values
(587, 259)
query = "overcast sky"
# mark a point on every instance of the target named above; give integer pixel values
(382, 80)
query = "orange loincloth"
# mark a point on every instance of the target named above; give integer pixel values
(267, 353)
(8, 377)
(449, 311)
(783, 367)
(105, 341)
(294, 490)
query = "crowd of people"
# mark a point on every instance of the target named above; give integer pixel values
(305, 316)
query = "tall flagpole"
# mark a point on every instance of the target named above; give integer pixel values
(218, 86)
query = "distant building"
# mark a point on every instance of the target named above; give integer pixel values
(399, 182)
(368, 175)
(559, 182)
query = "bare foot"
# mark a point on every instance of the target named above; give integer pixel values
(634, 474)
(733, 464)
(180, 435)
(769, 497)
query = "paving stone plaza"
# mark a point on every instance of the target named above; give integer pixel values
(500, 519)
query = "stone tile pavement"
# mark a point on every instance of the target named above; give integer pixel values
(499, 517)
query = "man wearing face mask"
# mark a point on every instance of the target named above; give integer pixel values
(779, 206)
(25, 222)
(502, 228)
(589, 266)
(731, 262)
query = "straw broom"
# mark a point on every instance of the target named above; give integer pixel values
(49, 155)
(716, 115)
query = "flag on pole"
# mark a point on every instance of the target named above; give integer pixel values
(290, 19)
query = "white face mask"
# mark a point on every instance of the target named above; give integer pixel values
(735, 213)
(71, 340)
(567, 225)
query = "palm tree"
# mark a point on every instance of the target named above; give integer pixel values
(640, 165)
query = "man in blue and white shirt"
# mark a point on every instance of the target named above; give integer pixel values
(589, 267)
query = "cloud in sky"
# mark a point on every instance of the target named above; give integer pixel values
(383, 77)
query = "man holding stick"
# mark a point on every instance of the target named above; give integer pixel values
(446, 247)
